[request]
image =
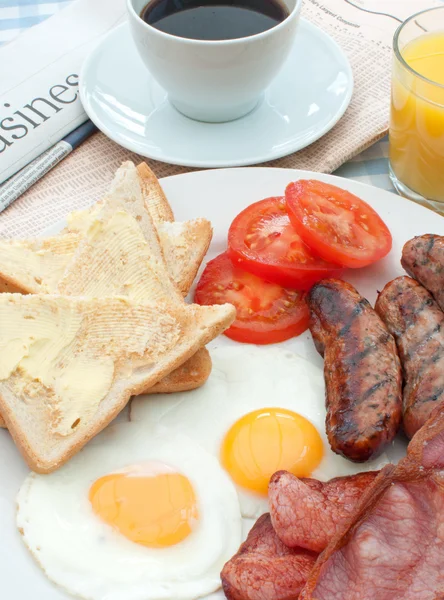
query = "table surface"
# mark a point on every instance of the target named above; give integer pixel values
(371, 166)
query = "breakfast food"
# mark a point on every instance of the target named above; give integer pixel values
(392, 548)
(266, 312)
(262, 241)
(423, 259)
(119, 256)
(45, 265)
(189, 376)
(183, 245)
(307, 513)
(120, 253)
(361, 367)
(337, 225)
(134, 191)
(153, 508)
(368, 526)
(417, 324)
(265, 568)
(98, 352)
(192, 374)
(36, 266)
(137, 514)
(261, 410)
(279, 247)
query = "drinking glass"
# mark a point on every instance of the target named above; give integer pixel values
(417, 109)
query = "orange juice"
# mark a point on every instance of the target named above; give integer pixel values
(417, 116)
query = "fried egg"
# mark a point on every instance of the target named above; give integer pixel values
(262, 410)
(141, 514)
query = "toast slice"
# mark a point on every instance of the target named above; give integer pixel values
(36, 266)
(192, 374)
(70, 365)
(120, 255)
(189, 376)
(120, 252)
(184, 245)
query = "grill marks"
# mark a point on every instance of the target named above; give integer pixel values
(423, 259)
(361, 370)
(358, 310)
(417, 323)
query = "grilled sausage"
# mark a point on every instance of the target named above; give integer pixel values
(423, 259)
(361, 369)
(417, 323)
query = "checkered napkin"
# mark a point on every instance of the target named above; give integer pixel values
(17, 15)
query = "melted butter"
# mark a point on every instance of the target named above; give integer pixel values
(38, 263)
(117, 260)
(65, 353)
(80, 220)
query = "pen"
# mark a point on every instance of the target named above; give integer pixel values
(19, 183)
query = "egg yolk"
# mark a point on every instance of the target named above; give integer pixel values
(268, 440)
(156, 511)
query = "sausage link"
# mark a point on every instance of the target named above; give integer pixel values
(423, 259)
(361, 369)
(417, 324)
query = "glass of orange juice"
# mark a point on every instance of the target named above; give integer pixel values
(417, 109)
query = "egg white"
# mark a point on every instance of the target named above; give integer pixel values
(245, 379)
(90, 559)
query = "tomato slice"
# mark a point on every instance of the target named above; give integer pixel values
(262, 240)
(266, 312)
(336, 224)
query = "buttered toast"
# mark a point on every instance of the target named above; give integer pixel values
(184, 244)
(120, 253)
(36, 266)
(82, 346)
(97, 353)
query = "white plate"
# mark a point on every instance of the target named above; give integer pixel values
(306, 100)
(218, 196)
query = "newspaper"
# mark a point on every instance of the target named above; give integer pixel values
(363, 28)
(39, 80)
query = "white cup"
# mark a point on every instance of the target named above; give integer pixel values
(214, 81)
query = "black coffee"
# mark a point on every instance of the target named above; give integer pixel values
(214, 19)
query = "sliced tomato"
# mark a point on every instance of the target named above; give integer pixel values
(266, 312)
(337, 225)
(262, 240)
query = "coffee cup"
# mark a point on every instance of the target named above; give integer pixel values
(214, 80)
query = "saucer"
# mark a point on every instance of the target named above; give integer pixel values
(306, 99)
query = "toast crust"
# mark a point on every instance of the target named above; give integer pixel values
(198, 326)
(185, 257)
(192, 374)
(155, 200)
(10, 285)
(184, 245)
(115, 347)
